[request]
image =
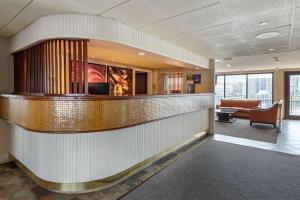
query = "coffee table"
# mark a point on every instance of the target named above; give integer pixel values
(226, 115)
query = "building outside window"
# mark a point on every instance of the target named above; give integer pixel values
(260, 87)
(235, 87)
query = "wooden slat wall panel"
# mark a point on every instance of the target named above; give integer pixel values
(85, 60)
(52, 67)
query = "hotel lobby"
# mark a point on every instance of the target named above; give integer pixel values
(148, 99)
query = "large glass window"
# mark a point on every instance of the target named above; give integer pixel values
(260, 87)
(235, 86)
(219, 88)
(294, 95)
(245, 86)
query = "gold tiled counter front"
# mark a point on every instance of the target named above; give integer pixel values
(95, 113)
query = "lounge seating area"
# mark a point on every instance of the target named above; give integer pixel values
(250, 109)
(265, 116)
(242, 105)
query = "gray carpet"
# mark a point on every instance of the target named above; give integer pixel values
(222, 171)
(241, 128)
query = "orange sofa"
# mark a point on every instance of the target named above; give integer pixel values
(265, 116)
(242, 105)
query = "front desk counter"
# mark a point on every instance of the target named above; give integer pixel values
(83, 143)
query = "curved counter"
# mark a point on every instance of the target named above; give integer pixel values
(82, 143)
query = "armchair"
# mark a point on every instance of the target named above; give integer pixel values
(264, 116)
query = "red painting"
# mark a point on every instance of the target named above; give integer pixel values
(96, 73)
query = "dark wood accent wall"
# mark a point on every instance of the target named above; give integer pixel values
(56, 66)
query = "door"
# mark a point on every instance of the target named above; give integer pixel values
(292, 95)
(141, 83)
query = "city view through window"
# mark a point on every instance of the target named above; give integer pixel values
(245, 86)
(294, 95)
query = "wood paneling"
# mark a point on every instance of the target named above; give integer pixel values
(52, 67)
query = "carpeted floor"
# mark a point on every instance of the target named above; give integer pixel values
(241, 128)
(218, 170)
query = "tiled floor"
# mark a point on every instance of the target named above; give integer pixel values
(288, 140)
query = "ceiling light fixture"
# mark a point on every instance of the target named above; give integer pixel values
(93, 56)
(276, 60)
(218, 60)
(267, 35)
(197, 68)
(228, 65)
(271, 49)
(263, 23)
(141, 53)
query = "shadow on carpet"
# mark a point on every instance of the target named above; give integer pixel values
(242, 129)
(223, 171)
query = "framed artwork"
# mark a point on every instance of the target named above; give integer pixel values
(96, 73)
(197, 78)
(120, 80)
(189, 77)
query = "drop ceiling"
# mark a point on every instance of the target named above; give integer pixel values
(110, 52)
(212, 28)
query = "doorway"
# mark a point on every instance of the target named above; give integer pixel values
(141, 82)
(292, 95)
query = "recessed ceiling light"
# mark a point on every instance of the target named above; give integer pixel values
(197, 68)
(263, 23)
(141, 53)
(93, 56)
(228, 65)
(218, 60)
(271, 49)
(267, 35)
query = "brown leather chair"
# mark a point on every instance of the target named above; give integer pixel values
(264, 116)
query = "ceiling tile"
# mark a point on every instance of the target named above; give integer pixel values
(203, 18)
(218, 31)
(241, 8)
(100, 5)
(135, 13)
(273, 20)
(267, 44)
(40, 8)
(176, 7)
(227, 40)
(9, 9)
(297, 16)
(277, 49)
(298, 3)
(164, 28)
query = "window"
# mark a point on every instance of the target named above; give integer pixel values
(219, 89)
(173, 83)
(260, 87)
(245, 86)
(235, 87)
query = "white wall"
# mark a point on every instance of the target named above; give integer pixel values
(6, 86)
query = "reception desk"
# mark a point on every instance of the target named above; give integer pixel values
(83, 143)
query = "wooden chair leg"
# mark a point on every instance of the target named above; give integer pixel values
(274, 125)
(250, 123)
